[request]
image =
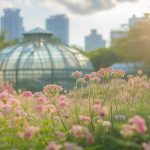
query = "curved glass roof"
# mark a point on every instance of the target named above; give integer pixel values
(39, 50)
(42, 54)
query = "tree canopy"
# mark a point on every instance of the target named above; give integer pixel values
(3, 42)
(103, 57)
(135, 46)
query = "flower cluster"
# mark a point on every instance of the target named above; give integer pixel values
(110, 72)
(29, 131)
(53, 146)
(79, 119)
(82, 132)
(52, 90)
(63, 101)
(101, 111)
(135, 124)
(85, 118)
(77, 74)
(146, 146)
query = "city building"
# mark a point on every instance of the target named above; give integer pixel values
(12, 24)
(133, 20)
(122, 32)
(39, 60)
(59, 26)
(94, 41)
(116, 34)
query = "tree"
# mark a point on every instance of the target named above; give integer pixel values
(4, 43)
(135, 46)
(103, 57)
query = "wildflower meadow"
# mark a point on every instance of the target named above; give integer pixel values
(106, 110)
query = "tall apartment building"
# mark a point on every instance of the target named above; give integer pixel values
(12, 24)
(133, 20)
(59, 25)
(94, 41)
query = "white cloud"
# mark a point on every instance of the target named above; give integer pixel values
(26, 2)
(6, 4)
(84, 6)
(74, 6)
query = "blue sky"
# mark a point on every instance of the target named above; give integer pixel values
(84, 15)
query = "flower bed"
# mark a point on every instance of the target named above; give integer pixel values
(102, 112)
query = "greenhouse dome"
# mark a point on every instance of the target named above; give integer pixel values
(39, 59)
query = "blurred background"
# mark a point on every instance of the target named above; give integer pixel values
(105, 33)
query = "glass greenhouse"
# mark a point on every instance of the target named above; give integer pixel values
(39, 59)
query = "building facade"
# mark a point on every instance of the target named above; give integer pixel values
(12, 24)
(37, 60)
(122, 32)
(59, 26)
(94, 41)
(116, 34)
(133, 20)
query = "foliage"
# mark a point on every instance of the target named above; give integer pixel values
(136, 45)
(110, 113)
(103, 57)
(4, 43)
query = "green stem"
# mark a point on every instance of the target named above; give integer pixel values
(91, 115)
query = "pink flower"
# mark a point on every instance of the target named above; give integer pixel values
(20, 112)
(38, 94)
(30, 131)
(27, 94)
(77, 74)
(89, 138)
(105, 72)
(85, 118)
(6, 87)
(95, 79)
(93, 74)
(87, 77)
(4, 96)
(6, 108)
(14, 101)
(63, 101)
(53, 146)
(39, 108)
(50, 108)
(132, 82)
(127, 131)
(41, 100)
(139, 124)
(82, 132)
(72, 146)
(79, 131)
(52, 90)
(62, 97)
(100, 110)
(96, 107)
(60, 134)
(146, 146)
(104, 111)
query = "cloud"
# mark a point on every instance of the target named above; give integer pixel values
(82, 7)
(6, 4)
(86, 6)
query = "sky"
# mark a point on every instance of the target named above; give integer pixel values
(84, 15)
